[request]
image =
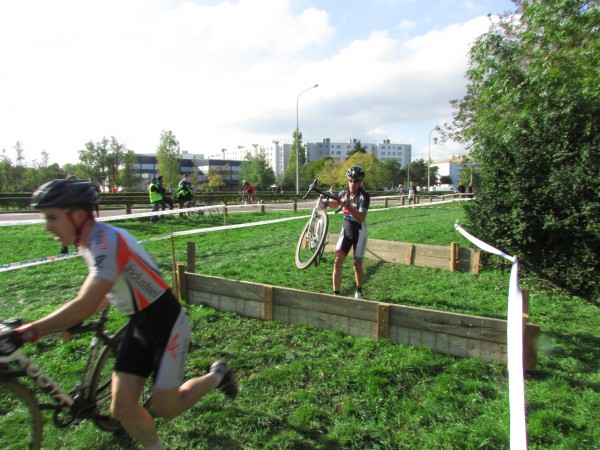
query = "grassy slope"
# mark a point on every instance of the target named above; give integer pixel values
(298, 389)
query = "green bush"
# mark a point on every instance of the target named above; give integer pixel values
(531, 115)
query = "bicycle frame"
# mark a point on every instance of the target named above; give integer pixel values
(67, 407)
(313, 238)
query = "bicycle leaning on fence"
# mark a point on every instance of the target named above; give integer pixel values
(313, 238)
(21, 419)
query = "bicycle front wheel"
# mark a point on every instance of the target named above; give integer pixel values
(312, 240)
(100, 387)
(21, 420)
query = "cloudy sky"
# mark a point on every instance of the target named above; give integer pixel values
(220, 74)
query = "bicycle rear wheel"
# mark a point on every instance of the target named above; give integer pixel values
(312, 240)
(21, 421)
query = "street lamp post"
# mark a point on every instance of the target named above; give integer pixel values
(298, 140)
(436, 128)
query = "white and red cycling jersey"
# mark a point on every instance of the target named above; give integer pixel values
(113, 254)
(158, 333)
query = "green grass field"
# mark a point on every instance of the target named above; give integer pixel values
(304, 388)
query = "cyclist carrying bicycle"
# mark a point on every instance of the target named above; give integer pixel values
(355, 203)
(248, 189)
(122, 273)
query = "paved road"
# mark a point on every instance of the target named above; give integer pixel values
(109, 212)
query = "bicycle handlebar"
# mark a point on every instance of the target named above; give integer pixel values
(313, 188)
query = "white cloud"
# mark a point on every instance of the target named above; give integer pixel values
(217, 76)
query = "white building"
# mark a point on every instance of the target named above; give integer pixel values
(451, 167)
(277, 154)
(339, 150)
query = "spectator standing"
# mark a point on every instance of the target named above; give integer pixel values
(461, 188)
(412, 193)
(166, 198)
(155, 198)
(470, 190)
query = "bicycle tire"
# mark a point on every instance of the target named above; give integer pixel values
(311, 240)
(100, 391)
(18, 406)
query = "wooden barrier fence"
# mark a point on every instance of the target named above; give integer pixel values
(454, 257)
(449, 333)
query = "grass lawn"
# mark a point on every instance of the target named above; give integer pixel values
(304, 388)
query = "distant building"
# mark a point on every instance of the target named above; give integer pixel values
(451, 167)
(339, 150)
(228, 161)
(146, 166)
(276, 154)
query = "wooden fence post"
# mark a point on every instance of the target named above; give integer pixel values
(191, 257)
(385, 203)
(128, 208)
(475, 261)
(383, 320)
(403, 201)
(410, 255)
(181, 284)
(262, 208)
(295, 206)
(454, 247)
(268, 303)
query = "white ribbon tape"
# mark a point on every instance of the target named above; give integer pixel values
(514, 339)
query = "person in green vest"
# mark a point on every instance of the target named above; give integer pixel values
(155, 198)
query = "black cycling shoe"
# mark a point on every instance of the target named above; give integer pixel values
(228, 384)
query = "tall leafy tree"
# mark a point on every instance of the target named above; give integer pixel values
(94, 160)
(127, 175)
(114, 160)
(356, 148)
(289, 177)
(215, 179)
(257, 170)
(531, 117)
(168, 155)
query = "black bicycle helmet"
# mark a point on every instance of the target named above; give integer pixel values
(356, 173)
(65, 194)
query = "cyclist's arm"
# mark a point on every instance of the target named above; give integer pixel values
(358, 214)
(90, 299)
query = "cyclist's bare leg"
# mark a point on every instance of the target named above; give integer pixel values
(126, 393)
(169, 403)
(359, 274)
(338, 267)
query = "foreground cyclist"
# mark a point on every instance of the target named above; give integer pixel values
(355, 204)
(123, 274)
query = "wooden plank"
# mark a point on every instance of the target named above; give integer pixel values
(449, 333)
(475, 327)
(325, 303)
(234, 288)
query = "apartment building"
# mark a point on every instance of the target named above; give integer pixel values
(339, 150)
